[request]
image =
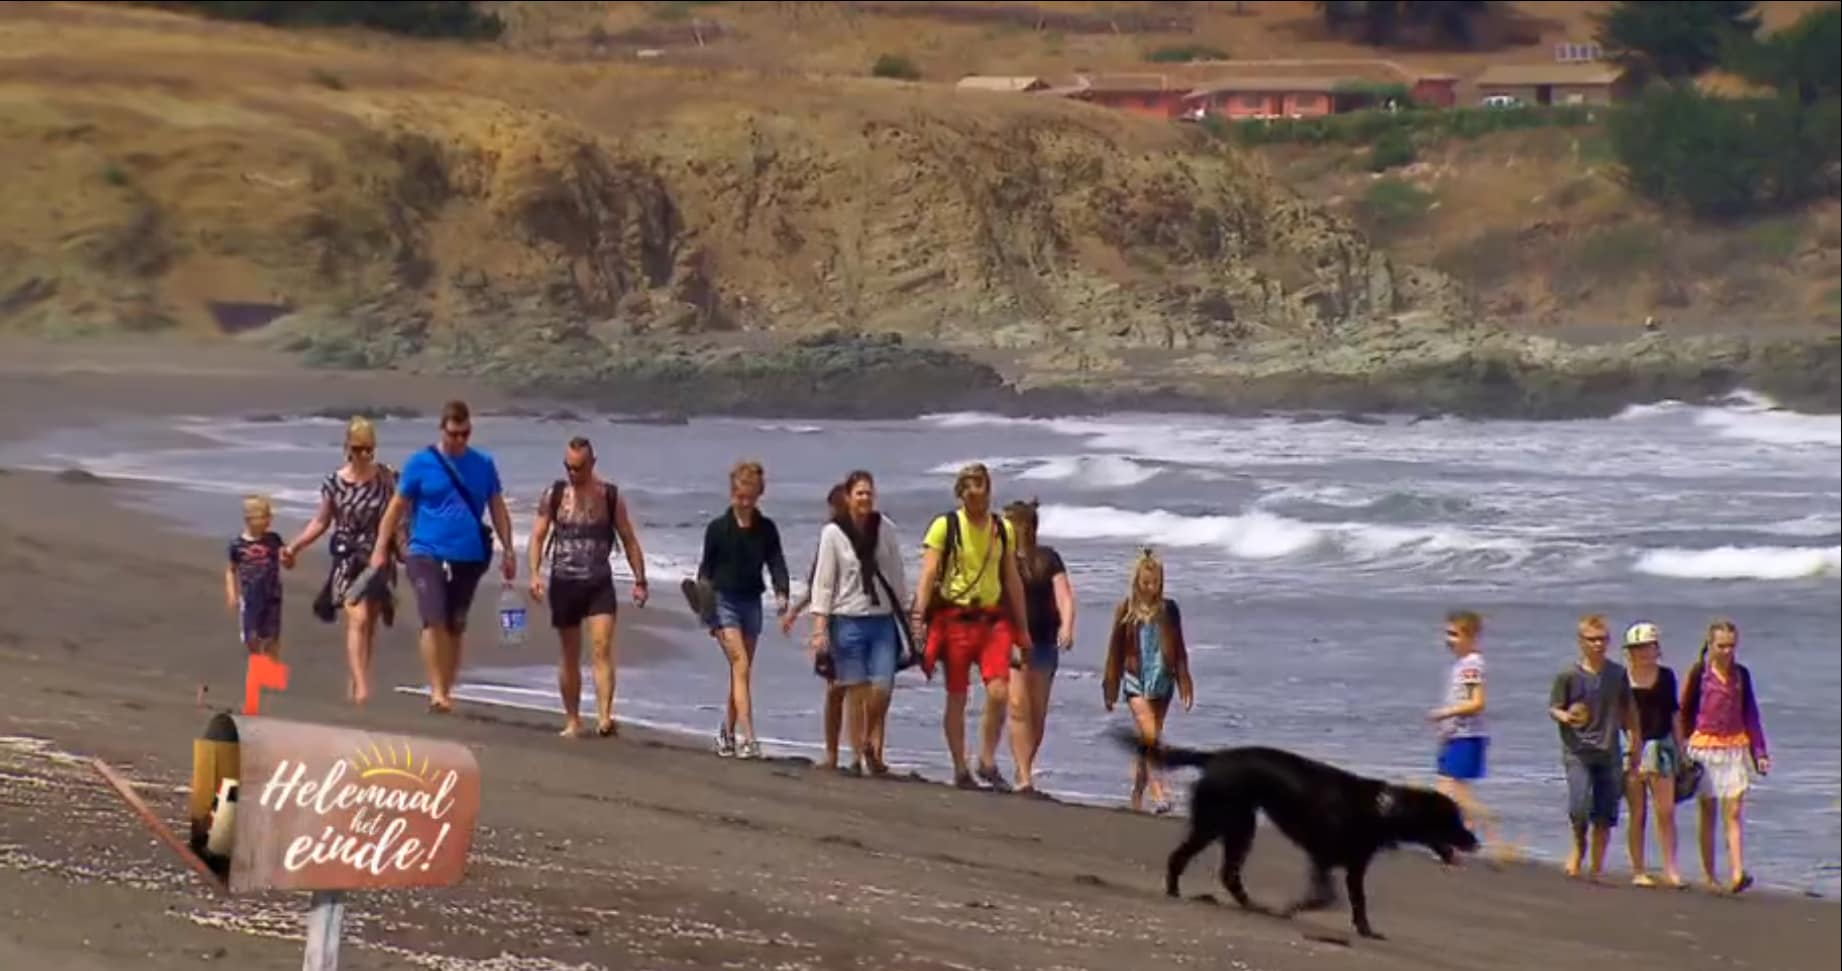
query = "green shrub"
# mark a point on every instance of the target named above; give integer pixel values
(678, 10)
(1393, 206)
(895, 66)
(1393, 149)
(1426, 125)
(115, 175)
(1185, 53)
(1776, 239)
(1617, 252)
(1721, 158)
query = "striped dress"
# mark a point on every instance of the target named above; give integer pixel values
(358, 510)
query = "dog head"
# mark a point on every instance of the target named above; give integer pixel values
(1431, 819)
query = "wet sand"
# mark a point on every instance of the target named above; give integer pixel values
(638, 852)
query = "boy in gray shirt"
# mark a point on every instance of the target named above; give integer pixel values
(1592, 703)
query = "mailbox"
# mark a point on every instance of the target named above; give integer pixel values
(330, 809)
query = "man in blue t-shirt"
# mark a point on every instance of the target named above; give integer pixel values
(447, 488)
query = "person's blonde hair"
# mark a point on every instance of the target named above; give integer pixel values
(257, 505)
(360, 431)
(748, 472)
(1139, 605)
(1720, 625)
(1467, 621)
(1593, 624)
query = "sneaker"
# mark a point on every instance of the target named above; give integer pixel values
(725, 744)
(750, 749)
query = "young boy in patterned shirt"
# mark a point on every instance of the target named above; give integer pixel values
(1460, 721)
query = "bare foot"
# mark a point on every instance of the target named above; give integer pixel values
(1674, 881)
(1642, 880)
(1572, 868)
(572, 728)
(1740, 883)
(607, 729)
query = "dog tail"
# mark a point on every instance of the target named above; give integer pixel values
(1164, 756)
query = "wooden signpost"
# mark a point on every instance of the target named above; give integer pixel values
(321, 809)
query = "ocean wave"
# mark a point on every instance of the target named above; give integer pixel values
(1742, 563)
(1260, 535)
(791, 429)
(1747, 416)
(1090, 471)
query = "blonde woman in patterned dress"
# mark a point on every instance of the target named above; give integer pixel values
(352, 501)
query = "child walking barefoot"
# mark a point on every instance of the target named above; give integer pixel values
(1728, 740)
(1463, 739)
(1148, 662)
(1653, 686)
(252, 581)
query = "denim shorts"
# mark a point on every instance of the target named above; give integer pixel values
(1044, 656)
(741, 612)
(1595, 787)
(863, 650)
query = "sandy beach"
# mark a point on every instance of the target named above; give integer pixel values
(640, 852)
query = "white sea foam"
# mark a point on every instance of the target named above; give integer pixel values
(1748, 417)
(1090, 471)
(1254, 535)
(1742, 563)
(1259, 535)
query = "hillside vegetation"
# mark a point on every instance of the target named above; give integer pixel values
(692, 238)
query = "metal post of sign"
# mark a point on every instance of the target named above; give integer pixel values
(324, 922)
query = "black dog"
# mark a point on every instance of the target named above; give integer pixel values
(1338, 818)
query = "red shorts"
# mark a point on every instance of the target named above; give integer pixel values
(966, 638)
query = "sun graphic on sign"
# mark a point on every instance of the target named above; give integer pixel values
(387, 761)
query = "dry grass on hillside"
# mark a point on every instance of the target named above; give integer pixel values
(158, 163)
(1538, 226)
(1000, 38)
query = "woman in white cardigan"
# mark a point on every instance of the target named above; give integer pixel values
(856, 606)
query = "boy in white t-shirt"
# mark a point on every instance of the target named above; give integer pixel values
(1462, 738)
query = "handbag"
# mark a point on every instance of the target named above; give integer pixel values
(1688, 777)
(478, 509)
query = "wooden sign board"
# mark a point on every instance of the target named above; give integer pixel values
(324, 808)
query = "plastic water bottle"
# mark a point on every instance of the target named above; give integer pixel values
(511, 617)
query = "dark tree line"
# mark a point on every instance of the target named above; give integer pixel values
(1725, 158)
(418, 18)
(1452, 22)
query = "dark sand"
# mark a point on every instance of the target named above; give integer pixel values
(638, 852)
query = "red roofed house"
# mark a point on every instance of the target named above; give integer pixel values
(1435, 91)
(1142, 94)
(1244, 98)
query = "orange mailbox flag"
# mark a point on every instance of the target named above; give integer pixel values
(264, 671)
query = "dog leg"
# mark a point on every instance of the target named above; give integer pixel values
(1318, 895)
(1359, 900)
(1237, 841)
(1180, 858)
